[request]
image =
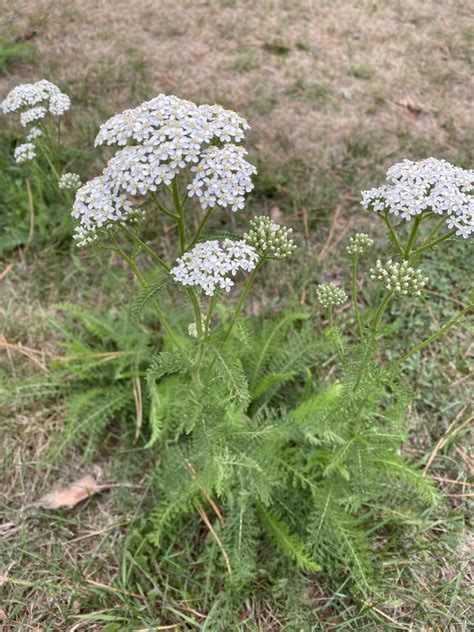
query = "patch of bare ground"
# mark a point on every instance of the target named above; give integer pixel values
(307, 74)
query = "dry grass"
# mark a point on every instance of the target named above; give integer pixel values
(307, 74)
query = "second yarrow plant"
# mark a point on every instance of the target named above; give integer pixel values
(251, 444)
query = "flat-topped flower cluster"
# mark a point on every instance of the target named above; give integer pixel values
(212, 264)
(160, 138)
(34, 101)
(431, 184)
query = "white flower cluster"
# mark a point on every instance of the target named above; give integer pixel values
(24, 152)
(159, 138)
(179, 127)
(359, 244)
(328, 294)
(96, 205)
(430, 184)
(399, 277)
(33, 134)
(35, 100)
(269, 238)
(70, 181)
(211, 264)
(222, 177)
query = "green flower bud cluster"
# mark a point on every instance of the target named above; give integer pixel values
(270, 239)
(359, 244)
(399, 277)
(329, 294)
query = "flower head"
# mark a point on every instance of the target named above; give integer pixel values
(44, 94)
(70, 181)
(223, 177)
(430, 184)
(98, 205)
(359, 244)
(164, 136)
(329, 294)
(33, 114)
(399, 277)
(212, 264)
(24, 153)
(270, 239)
(33, 134)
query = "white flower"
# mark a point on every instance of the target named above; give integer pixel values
(430, 184)
(33, 114)
(98, 205)
(211, 264)
(328, 294)
(399, 277)
(33, 134)
(181, 126)
(24, 153)
(28, 95)
(167, 135)
(71, 181)
(222, 177)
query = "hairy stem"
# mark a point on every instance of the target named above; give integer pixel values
(157, 259)
(392, 233)
(355, 303)
(243, 296)
(433, 243)
(377, 320)
(333, 340)
(201, 226)
(141, 279)
(412, 237)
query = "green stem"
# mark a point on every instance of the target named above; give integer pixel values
(355, 303)
(197, 310)
(392, 233)
(141, 279)
(334, 342)
(433, 243)
(378, 318)
(200, 353)
(201, 226)
(412, 237)
(163, 209)
(243, 296)
(434, 336)
(380, 313)
(180, 215)
(145, 247)
(212, 304)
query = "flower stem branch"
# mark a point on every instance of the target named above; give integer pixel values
(434, 336)
(243, 296)
(355, 303)
(156, 258)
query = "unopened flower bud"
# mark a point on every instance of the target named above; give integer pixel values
(399, 277)
(359, 244)
(329, 294)
(270, 239)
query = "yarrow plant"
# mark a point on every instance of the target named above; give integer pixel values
(249, 442)
(37, 103)
(40, 108)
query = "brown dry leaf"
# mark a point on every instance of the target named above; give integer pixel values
(71, 495)
(410, 105)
